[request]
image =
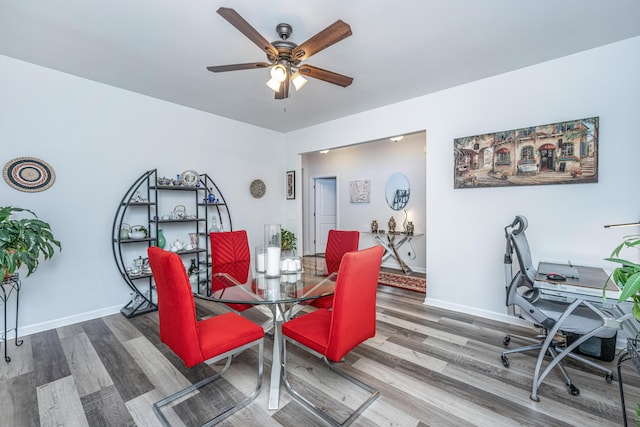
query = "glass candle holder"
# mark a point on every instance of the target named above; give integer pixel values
(272, 240)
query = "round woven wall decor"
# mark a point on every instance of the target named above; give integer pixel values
(257, 188)
(29, 174)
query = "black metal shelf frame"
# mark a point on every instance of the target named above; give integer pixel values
(144, 299)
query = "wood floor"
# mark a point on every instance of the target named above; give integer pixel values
(433, 368)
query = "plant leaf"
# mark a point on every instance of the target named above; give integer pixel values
(631, 287)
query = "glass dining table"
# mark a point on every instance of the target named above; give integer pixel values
(237, 283)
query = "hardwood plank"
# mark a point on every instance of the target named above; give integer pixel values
(162, 374)
(421, 327)
(121, 327)
(21, 359)
(106, 408)
(125, 373)
(438, 393)
(86, 367)
(69, 330)
(294, 414)
(147, 324)
(59, 404)
(141, 410)
(49, 360)
(19, 402)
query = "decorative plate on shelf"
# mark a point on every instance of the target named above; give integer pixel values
(257, 188)
(189, 178)
(29, 174)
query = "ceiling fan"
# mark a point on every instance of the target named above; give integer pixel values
(285, 57)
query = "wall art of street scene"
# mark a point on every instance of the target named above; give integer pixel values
(558, 153)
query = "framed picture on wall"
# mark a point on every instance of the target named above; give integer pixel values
(291, 185)
(555, 153)
(359, 191)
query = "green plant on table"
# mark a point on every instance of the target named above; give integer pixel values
(287, 240)
(627, 276)
(23, 241)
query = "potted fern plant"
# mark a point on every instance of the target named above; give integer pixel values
(23, 241)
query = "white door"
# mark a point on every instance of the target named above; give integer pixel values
(325, 211)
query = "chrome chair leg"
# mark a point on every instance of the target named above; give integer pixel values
(229, 411)
(374, 394)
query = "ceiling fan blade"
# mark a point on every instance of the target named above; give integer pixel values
(332, 34)
(235, 67)
(245, 28)
(327, 76)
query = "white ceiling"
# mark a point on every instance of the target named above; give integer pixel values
(399, 49)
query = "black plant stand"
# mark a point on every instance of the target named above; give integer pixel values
(631, 352)
(8, 285)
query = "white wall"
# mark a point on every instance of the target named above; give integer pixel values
(374, 161)
(99, 139)
(465, 241)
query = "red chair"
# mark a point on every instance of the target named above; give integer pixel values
(212, 339)
(330, 334)
(339, 242)
(230, 254)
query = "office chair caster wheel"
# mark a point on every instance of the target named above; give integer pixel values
(574, 390)
(609, 378)
(506, 340)
(505, 361)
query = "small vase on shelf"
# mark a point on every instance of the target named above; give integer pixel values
(161, 241)
(214, 225)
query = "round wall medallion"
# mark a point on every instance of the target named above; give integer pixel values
(29, 174)
(257, 188)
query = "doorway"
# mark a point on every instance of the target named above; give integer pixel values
(546, 159)
(324, 211)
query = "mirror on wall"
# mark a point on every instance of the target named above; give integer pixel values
(397, 191)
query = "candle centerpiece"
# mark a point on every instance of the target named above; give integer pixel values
(272, 241)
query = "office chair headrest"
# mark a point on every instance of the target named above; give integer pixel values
(519, 224)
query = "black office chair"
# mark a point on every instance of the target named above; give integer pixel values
(578, 317)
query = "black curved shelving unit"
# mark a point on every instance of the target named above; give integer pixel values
(146, 187)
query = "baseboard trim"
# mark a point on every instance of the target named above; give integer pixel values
(395, 266)
(63, 321)
(492, 315)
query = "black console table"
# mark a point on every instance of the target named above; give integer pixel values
(8, 285)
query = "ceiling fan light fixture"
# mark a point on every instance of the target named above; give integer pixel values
(279, 73)
(274, 85)
(298, 81)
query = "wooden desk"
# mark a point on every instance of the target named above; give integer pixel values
(584, 281)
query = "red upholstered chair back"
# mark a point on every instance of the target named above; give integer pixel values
(339, 242)
(176, 308)
(229, 246)
(230, 254)
(353, 318)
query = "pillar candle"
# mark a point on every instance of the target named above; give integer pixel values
(273, 261)
(260, 262)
